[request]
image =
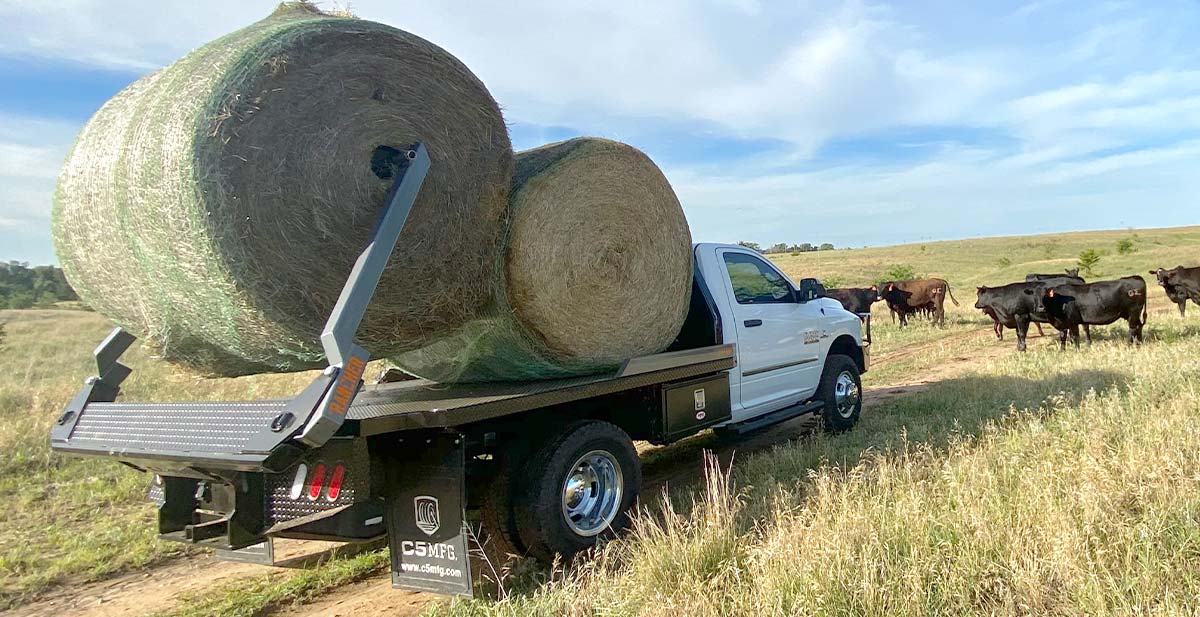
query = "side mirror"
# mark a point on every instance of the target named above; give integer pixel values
(810, 289)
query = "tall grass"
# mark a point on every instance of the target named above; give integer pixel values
(1049, 484)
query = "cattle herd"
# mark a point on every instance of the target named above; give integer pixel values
(1065, 301)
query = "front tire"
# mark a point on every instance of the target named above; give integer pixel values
(841, 391)
(578, 487)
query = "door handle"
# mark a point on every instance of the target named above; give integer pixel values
(752, 323)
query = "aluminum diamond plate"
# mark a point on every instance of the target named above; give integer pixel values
(218, 428)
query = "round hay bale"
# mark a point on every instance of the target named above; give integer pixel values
(217, 205)
(598, 268)
(598, 259)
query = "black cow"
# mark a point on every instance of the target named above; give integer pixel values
(1181, 284)
(1014, 305)
(1071, 273)
(1101, 303)
(855, 299)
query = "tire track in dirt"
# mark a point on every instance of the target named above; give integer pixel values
(161, 587)
(140, 592)
(158, 587)
(916, 350)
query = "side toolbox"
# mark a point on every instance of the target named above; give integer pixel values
(689, 406)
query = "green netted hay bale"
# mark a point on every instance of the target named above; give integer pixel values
(218, 204)
(598, 268)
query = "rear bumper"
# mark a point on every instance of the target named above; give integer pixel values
(229, 474)
(230, 510)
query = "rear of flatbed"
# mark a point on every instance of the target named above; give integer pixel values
(228, 478)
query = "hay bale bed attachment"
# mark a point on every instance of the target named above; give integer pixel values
(353, 463)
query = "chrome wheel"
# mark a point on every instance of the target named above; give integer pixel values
(846, 394)
(591, 493)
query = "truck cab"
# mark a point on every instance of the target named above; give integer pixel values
(783, 332)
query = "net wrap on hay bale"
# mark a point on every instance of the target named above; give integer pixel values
(597, 269)
(217, 205)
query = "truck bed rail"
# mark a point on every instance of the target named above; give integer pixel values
(253, 435)
(424, 404)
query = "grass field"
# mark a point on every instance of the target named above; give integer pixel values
(1043, 483)
(72, 518)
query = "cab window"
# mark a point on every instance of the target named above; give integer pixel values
(754, 282)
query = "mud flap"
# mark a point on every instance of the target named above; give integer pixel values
(426, 523)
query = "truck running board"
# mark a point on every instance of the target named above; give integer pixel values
(775, 417)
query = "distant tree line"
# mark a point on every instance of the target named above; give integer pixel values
(783, 247)
(22, 287)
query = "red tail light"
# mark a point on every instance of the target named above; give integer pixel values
(317, 483)
(335, 482)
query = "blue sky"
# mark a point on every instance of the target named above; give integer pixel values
(856, 123)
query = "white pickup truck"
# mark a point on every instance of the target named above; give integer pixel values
(543, 468)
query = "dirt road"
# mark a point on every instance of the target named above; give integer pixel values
(160, 588)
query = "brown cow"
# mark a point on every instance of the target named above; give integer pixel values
(857, 300)
(908, 297)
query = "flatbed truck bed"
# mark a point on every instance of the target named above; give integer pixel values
(229, 434)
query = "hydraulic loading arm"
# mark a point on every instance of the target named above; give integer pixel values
(254, 434)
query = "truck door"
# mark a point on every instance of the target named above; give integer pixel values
(778, 337)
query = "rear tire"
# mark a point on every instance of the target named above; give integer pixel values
(501, 538)
(841, 391)
(578, 487)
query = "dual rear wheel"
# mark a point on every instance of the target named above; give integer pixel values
(579, 485)
(566, 494)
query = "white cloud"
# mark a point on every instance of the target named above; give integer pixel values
(1127, 163)
(796, 72)
(1086, 106)
(20, 160)
(961, 192)
(31, 152)
(122, 34)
